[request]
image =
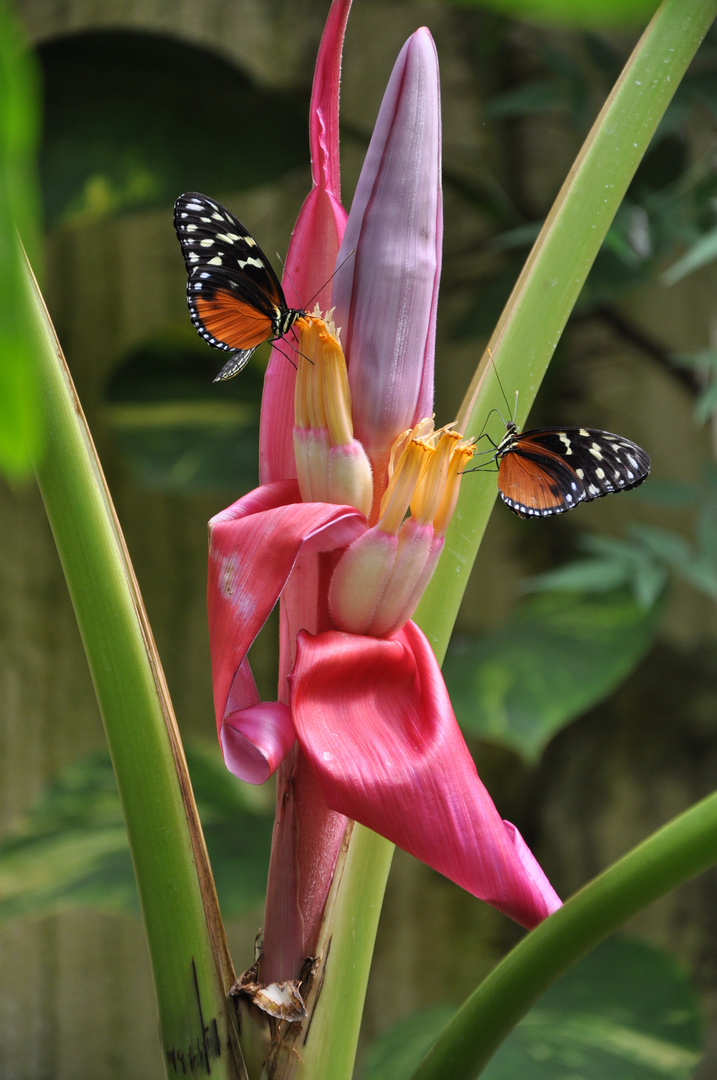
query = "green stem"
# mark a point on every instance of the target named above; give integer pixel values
(683, 848)
(327, 1046)
(190, 961)
(538, 309)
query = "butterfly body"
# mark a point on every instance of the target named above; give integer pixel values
(551, 470)
(235, 299)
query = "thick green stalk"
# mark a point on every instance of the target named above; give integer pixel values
(537, 311)
(683, 848)
(190, 961)
(20, 417)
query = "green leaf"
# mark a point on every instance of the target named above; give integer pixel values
(520, 238)
(646, 580)
(396, 1053)
(700, 358)
(674, 494)
(587, 13)
(614, 564)
(702, 573)
(71, 848)
(626, 1012)
(559, 655)
(706, 532)
(669, 546)
(525, 100)
(20, 416)
(587, 575)
(701, 253)
(706, 404)
(704, 361)
(699, 568)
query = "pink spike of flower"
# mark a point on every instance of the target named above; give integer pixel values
(253, 548)
(375, 721)
(387, 294)
(377, 739)
(315, 242)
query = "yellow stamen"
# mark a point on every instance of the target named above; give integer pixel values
(422, 430)
(402, 483)
(429, 490)
(379, 580)
(322, 398)
(336, 392)
(461, 455)
(331, 465)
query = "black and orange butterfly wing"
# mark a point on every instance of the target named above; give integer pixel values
(235, 299)
(550, 470)
(537, 483)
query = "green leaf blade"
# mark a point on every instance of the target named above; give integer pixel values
(21, 428)
(626, 1012)
(557, 657)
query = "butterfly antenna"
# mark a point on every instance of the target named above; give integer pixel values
(342, 263)
(485, 425)
(291, 280)
(505, 397)
(321, 289)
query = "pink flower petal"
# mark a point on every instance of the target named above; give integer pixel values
(253, 546)
(256, 740)
(532, 867)
(314, 245)
(374, 719)
(386, 295)
(324, 109)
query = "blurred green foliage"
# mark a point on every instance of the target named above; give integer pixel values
(668, 216)
(651, 554)
(626, 1012)
(20, 411)
(562, 654)
(703, 363)
(70, 850)
(132, 120)
(608, 564)
(584, 13)
(557, 656)
(176, 431)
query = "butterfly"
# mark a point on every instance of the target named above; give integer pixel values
(551, 470)
(235, 299)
